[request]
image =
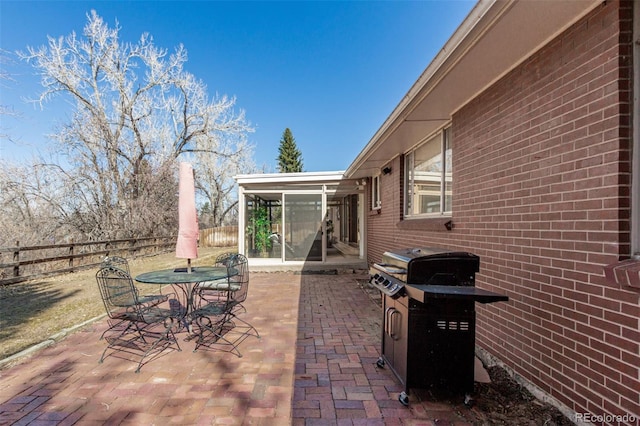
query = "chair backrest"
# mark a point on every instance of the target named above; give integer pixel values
(224, 258)
(117, 291)
(116, 261)
(239, 277)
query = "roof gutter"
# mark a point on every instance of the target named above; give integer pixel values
(438, 93)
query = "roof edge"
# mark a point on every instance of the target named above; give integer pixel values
(289, 177)
(464, 29)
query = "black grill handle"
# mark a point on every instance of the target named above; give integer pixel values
(387, 320)
(394, 335)
(389, 323)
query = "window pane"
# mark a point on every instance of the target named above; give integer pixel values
(375, 192)
(448, 171)
(426, 178)
(262, 225)
(429, 198)
(303, 226)
(408, 182)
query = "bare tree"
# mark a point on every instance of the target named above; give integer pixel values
(215, 181)
(29, 208)
(136, 112)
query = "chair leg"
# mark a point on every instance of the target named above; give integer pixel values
(251, 329)
(103, 354)
(205, 324)
(239, 308)
(112, 325)
(165, 338)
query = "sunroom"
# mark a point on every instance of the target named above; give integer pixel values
(308, 220)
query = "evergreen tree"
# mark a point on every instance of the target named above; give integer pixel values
(290, 157)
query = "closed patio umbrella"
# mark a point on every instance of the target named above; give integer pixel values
(187, 244)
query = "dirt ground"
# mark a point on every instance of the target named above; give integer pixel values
(505, 402)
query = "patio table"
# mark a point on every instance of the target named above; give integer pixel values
(184, 282)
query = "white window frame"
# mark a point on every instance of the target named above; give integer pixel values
(444, 135)
(376, 201)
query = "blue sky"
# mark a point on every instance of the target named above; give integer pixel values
(330, 71)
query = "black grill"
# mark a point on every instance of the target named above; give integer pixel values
(428, 337)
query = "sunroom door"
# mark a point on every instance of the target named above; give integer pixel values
(303, 227)
(263, 219)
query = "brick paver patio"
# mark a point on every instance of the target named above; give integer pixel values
(315, 364)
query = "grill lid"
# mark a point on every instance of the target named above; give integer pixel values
(430, 273)
(402, 257)
(434, 265)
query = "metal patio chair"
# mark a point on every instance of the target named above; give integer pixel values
(235, 286)
(238, 284)
(220, 300)
(222, 260)
(123, 264)
(133, 325)
(239, 288)
(214, 290)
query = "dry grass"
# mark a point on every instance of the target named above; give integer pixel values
(32, 311)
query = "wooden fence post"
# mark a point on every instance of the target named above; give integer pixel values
(71, 255)
(16, 259)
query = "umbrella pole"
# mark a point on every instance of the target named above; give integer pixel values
(188, 266)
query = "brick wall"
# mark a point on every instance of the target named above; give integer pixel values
(541, 194)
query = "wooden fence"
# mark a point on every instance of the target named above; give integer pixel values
(224, 236)
(23, 263)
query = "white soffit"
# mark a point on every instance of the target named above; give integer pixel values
(495, 37)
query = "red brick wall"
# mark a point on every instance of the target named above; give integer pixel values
(541, 194)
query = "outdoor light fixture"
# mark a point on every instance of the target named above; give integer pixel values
(448, 225)
(386, 170)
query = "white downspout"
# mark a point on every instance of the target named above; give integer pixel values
(241, 222)
(635, 137)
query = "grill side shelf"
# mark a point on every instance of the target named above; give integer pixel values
(423, 292)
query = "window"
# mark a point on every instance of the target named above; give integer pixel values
(375, 193)
(428, 177)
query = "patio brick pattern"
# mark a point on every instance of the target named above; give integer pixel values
(315, 364)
